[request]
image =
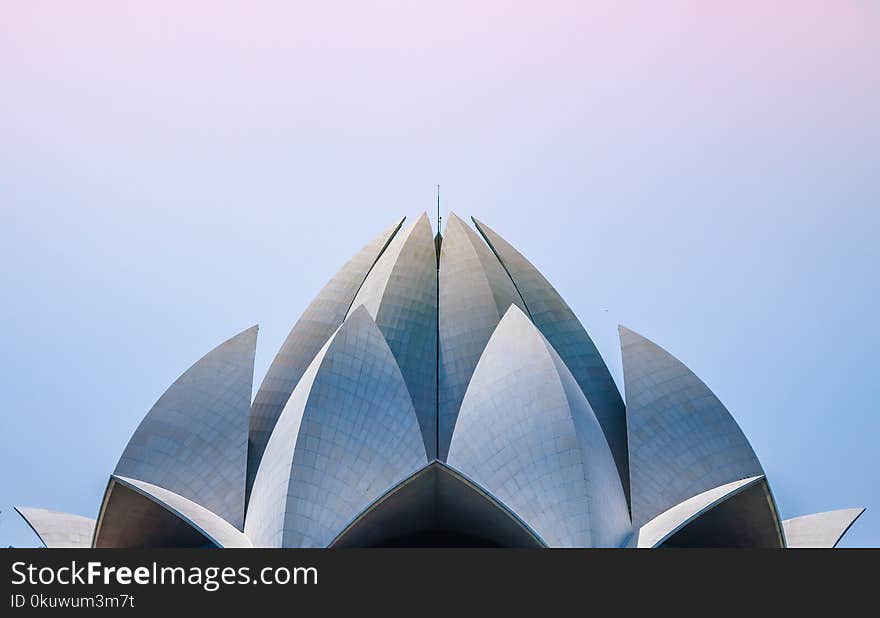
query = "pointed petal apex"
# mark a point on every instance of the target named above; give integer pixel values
(523, 391)
(56, 529)
(401, 294)
(475, 292)
(318, 322)
(820, 529)
(558, 323)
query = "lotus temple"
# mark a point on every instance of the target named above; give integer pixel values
(438, 392)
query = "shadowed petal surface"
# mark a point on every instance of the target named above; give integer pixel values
(667, 523)
(437, 507)
(140, 514)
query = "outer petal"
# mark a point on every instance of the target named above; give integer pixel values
(348, 432)
(527, 434)
(820, 529)
(57, 529)
(400, 294)
(682, 440)
(475, 292)
(750, 520)
(317, 323)
(140, 514)
(193, 441)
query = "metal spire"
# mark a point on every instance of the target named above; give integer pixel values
(439, 218)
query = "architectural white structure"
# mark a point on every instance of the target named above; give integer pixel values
(438, 392)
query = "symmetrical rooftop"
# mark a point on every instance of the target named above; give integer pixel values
(438, 392)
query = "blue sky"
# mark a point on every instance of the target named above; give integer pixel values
(169, 177)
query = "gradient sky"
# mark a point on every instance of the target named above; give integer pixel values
(172, 173)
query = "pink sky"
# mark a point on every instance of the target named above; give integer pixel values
(123, 71)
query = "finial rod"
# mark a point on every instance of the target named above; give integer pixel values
(439, 218)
